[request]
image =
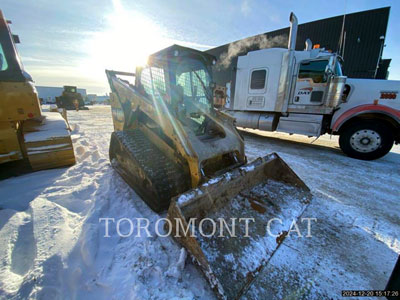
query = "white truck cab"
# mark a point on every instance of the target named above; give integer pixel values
(305, 92)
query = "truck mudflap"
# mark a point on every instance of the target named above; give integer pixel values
(233, 224)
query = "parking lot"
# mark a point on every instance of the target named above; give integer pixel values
(354, 245)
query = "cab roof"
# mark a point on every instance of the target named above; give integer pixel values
(175, 52)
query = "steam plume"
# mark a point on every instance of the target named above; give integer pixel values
(251, 43)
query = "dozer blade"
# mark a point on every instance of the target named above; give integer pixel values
(262, 190)
(48, 142)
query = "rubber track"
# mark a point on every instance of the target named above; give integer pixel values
(168, 178)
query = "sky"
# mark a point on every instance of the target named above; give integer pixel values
(73, 42)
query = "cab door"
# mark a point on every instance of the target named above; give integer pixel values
(311, 83)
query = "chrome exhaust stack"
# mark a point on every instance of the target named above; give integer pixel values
(293, 31)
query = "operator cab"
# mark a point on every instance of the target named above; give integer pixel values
(11, 68)
(186, 74)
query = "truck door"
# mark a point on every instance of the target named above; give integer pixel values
(311, 83)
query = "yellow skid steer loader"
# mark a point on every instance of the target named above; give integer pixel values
(27, 133)
(179, 153)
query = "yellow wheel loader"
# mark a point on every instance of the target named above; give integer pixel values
(26, 133)
(179, 153)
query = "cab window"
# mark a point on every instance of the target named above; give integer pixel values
(152, 78)
(145, 80)
(258, 78)
(194, 85)
(3, 61)
(158, 79)
(184, 81)
(314, 70)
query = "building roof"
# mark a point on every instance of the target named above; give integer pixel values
(362, 44)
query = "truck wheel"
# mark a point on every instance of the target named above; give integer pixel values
(366, 140)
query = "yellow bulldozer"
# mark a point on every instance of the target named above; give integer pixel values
(71, 99)
(26, 133)
(179, 153)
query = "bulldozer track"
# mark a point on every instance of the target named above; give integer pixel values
(154, 176)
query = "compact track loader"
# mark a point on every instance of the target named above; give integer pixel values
(179, 153)
(26, 133)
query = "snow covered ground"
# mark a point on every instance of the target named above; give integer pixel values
(52, 245)
(356, 240)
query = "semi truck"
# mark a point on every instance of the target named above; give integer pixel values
(305, 92)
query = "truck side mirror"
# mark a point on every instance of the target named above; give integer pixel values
(328, 70)
(328, 73)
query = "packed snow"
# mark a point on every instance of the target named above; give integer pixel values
(356, 238)
(52, 126)
(52, 243)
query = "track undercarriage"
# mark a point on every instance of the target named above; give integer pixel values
(146, 169)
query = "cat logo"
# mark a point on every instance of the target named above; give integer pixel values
(305, 91)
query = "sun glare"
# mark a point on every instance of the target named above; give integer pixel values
(126, 43)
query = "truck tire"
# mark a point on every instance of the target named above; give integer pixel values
(366, 140)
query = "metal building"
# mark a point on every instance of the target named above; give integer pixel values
(362, 43)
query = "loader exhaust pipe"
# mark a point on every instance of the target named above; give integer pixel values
(293, 31)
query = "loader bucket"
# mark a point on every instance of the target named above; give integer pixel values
(262, 190)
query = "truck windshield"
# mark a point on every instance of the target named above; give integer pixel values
(314, 70)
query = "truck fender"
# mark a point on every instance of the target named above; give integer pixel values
(365, 109)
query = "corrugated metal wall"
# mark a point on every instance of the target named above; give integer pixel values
(362, 43)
